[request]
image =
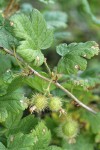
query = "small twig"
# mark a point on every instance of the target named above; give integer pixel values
(11, 8)
(48, 88)
(55, 83)
(8, 8)
(47, 67)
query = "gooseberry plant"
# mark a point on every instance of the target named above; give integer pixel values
(36, 101)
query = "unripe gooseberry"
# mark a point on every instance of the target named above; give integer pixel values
(70, 128)
(55, 103)
(39, 101)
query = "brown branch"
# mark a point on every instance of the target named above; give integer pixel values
(11, 8)
(55, 83)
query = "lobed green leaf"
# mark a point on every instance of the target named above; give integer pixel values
(75, 55)
(34, 36)
(7, 39)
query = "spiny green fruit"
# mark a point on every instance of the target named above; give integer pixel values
(40, 102)
(55, 103)
(70, 128)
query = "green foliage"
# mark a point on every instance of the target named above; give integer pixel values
(89, 13)
(14, 124)
(3, 87)
(3, 115)
(83, 143)
(11, 102)
(37, 139)
(74, 56)
(20, 141)
(47, 1)
(33, 81)
(38, 107)
(2, 147)
(54, 148)
(56, 19)
(7, 40)
(42, 136)
(3, 3)
(97, 138)
(5, 66)
(85, 83)
(34, 35)
(94, 125)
